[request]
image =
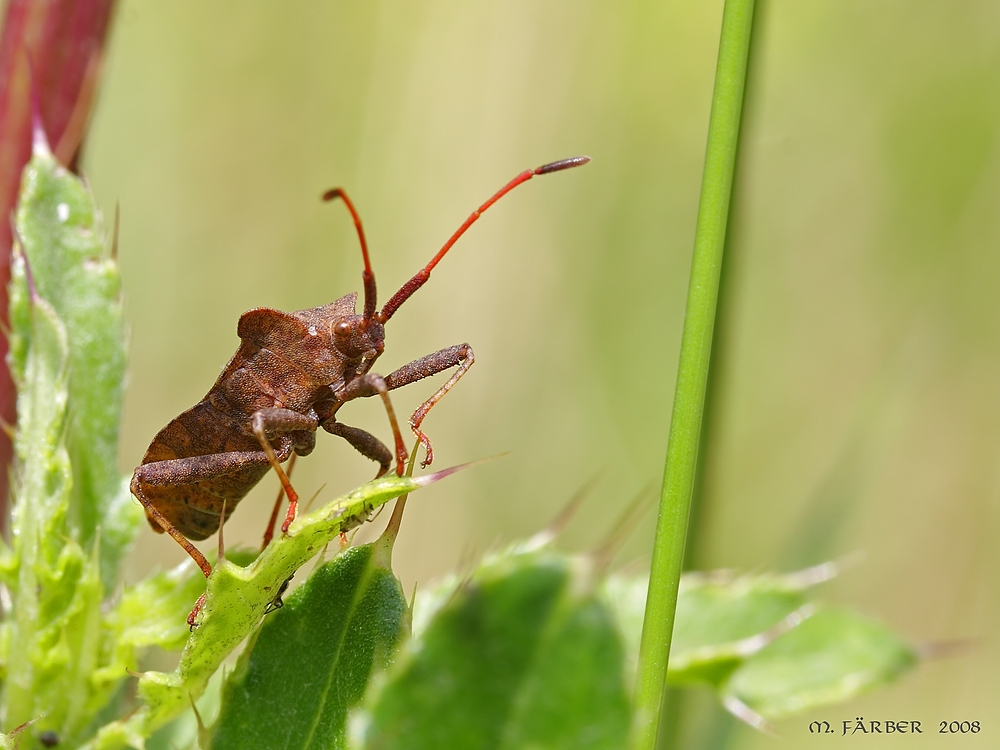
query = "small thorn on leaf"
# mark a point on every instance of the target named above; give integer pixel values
(114, 237)
(946, 649)
(32, 289)
(222, 544)
(625, 525)
(426, 479)
(559, 523)
(39, 140)
(747, 715)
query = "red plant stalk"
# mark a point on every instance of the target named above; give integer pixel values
(55, 47)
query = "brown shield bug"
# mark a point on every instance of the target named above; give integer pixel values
(292, 373)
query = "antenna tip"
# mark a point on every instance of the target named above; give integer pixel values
(333, 194)
(558, 166)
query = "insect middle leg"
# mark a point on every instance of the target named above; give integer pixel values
(273, 422)
(460, 356)
(269, 533)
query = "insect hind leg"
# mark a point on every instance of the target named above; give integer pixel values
(152, 512)
(275, 422)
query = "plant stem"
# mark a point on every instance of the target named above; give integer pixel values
(731, 281)
(692, 370)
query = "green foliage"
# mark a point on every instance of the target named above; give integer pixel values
(521, 654)
(69, 524)
(75, 272)
(829, 658)
(763, 645)
(147, 614)
(236, 600)
(312, 660)
(533, 648)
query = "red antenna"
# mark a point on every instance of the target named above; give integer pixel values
(367, 276)
(406, 291)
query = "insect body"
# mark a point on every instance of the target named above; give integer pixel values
(292, 373)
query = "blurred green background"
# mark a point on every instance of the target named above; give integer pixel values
(858, 397)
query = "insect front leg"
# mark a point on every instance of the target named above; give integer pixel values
(268, 424)
(460, 356)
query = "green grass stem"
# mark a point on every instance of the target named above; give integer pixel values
(692, 371)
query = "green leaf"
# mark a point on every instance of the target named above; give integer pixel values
(60, 231)
(52, 641)
(52, 637)
(236, 600)
(831, 657)
(10, 740)
(523, 654)
(154, 613)
(721, 618)
(67, 357)
(757, 641)
(313, 658)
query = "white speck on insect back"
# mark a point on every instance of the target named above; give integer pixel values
(312, 330)
(62, 211)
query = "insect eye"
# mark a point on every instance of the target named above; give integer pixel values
(342, 329)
